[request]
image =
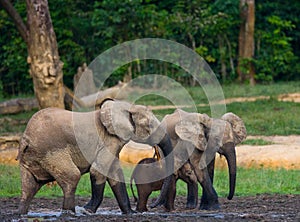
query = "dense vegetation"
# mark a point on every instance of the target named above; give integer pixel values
(85, 29)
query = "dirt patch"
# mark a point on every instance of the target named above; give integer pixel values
(284, 152)
(256, 208)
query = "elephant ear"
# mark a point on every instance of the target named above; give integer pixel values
(193, 132)
(238, 127)
(116, 118)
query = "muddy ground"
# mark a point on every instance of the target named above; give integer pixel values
(256, 208)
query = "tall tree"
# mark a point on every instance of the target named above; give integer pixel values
(245, 67)
(43, 57)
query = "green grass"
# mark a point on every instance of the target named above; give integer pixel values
(249, 182)
(256, 142)
(262, 117)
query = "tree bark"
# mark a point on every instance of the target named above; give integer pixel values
(45, 64)
(246, 41)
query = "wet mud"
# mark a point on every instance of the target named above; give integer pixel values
(255, 208)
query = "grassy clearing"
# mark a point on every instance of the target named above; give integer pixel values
(229, 91)
(256, 142)
(249, 182)
(262, 117)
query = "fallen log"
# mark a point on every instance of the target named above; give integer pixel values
(18, 105)
(97, 98)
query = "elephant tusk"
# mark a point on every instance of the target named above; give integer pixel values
(157, 155)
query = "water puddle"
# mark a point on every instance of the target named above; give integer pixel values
(50, 215)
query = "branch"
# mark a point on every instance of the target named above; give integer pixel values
(12, 12)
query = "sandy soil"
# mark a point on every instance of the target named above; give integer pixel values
(257, 208)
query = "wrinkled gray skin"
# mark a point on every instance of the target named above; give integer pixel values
(198, 137)
(143, 173)
(49, 150)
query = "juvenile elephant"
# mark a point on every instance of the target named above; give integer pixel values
(62, 145)
(198, 137)
(144, 171)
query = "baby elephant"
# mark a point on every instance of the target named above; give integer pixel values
(146, 170)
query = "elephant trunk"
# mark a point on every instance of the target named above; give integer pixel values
(230, 155)
(166, 146)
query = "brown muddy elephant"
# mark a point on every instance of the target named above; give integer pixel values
(142, 174)
(198, 137)
(62, 145)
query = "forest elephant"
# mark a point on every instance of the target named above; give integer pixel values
(198, 137)
(62, 145)
(144, 171)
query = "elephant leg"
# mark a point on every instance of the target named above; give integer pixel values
(187, 174)
(67, 175)
(211, 169)
(144, 191)
(29, 188)
(68, 185)
(170, 199)
(119, 189)
(97, 184)
(204, 198)
(192, 196)
(209, 201)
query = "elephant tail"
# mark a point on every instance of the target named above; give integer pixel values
(131, 187)
(23, 145)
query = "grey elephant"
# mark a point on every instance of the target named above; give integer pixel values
(198, 137)
(150, 168)
(62, 145)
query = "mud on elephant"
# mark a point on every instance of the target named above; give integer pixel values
(198, 137)
(150, 168)
(62, 145)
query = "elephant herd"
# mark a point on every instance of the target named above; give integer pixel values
(60, 145)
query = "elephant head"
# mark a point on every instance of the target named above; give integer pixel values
(137, 123)
(212, 135)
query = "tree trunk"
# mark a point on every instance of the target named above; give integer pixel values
(246, 41)
(193, 43)
(222, 51)
(45, 64)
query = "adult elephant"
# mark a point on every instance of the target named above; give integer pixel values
(198, 137)
(62, 145)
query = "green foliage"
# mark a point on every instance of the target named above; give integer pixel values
(14, 73)
(85, 29)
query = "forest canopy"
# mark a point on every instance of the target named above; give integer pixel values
(84, 29)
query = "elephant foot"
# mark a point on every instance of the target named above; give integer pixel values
(129, 212)
(90, 209)
(209, 206)
(68, 213)
(191, 205)
(141, 209)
